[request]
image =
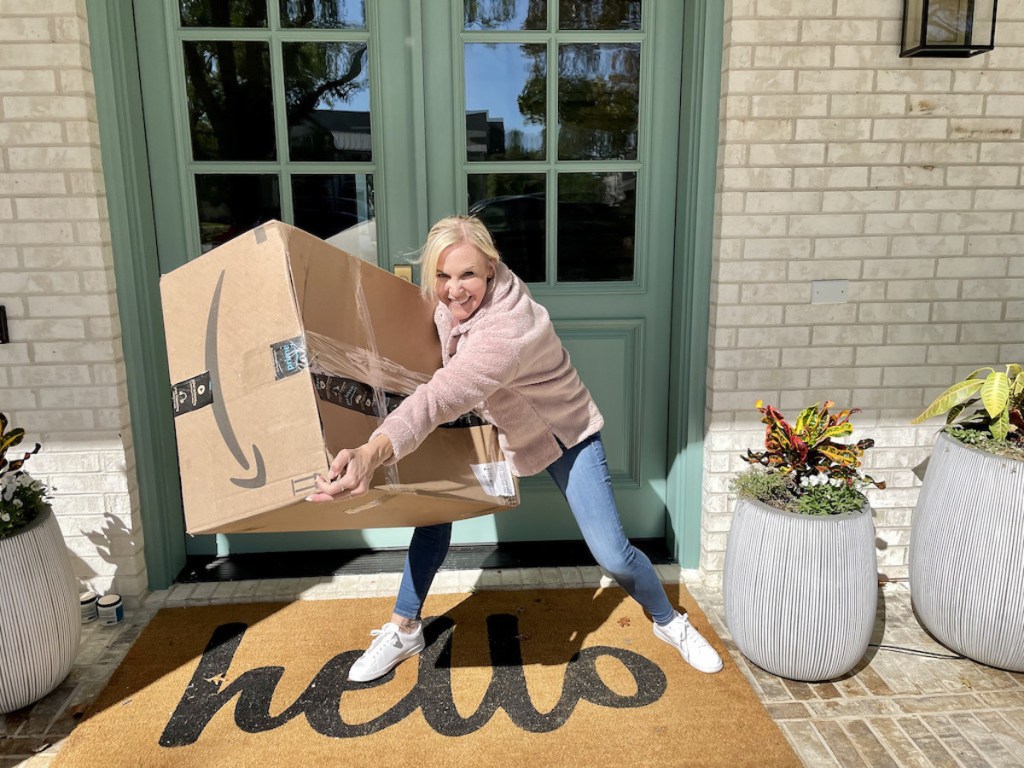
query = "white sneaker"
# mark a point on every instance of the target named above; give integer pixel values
(390, 647)
(694, 648)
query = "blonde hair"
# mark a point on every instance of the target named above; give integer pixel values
(450, 231)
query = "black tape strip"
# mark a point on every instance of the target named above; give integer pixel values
(192, 394)
(357, 396)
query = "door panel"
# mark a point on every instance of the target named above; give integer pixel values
(552, 137)
(365, 122)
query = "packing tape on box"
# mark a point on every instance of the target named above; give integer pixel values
(363, 380)
(353, 378)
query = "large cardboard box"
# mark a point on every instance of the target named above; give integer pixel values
(282, 351)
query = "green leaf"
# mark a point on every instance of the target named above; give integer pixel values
(956, 394)
(995, 393)
(974, 374)
(839, 430)
(1018, 384)
(1000, 426)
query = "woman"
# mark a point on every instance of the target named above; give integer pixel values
(502, 358)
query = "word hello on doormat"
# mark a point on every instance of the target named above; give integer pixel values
(321, 702)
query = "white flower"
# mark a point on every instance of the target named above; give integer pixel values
(5, 517)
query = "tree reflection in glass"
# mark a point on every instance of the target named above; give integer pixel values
(327, 97)
(599, 14)
(223, 13)
(598, 101)
(500, 77)
(323, 14)
(505, 14)
(230, 107)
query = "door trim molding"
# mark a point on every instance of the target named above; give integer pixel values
(703, 31)
(126, 177)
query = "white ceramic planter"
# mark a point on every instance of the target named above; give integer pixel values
(800, 590)
(40, 621)
(967, 553)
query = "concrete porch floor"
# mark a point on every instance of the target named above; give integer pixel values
(908, 704)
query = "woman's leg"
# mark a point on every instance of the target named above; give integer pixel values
(582, 475)
(402, 637)
(427, 551)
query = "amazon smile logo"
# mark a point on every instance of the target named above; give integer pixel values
(220, 412)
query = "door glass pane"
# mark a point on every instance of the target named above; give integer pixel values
(230, 205)
(505, 101)
(327, 87)
(512, 208)
(323, 14)
(505, 14)
(599, 14)
(598, 101)
(338, 208)
(596, 225)
(223, 13)
(231, 115)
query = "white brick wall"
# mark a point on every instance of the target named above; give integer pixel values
(839, 160)
(62, 375)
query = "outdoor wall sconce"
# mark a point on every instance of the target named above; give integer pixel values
(950, 28)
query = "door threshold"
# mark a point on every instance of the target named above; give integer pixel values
(332, 562)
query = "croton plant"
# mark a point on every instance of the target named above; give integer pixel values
(804, 467)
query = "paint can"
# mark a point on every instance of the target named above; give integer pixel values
(87, 601)
(110, 608)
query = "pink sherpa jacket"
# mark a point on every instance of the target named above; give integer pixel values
(506, 363)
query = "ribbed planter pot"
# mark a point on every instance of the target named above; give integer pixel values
(967, 553)
(40, 620)
(800, 591)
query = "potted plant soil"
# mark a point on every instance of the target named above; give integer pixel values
(967, 533)
(40, 622)
(800, 582)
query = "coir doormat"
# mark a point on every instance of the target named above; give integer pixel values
(533, 678)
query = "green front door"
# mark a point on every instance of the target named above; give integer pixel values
(555, 122)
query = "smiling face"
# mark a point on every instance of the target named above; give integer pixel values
(461, 279)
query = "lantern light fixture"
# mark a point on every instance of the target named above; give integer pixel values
(948, 28)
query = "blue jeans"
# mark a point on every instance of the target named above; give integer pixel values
(581, 473)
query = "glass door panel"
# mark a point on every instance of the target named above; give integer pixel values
(230, 101)
(505, 14)
(599, 14)
(505, 101)
(323, 14)
(327, 93)
(230, 204)
(570, 175)
(514, 208)
(570, 136)
(596, 226)
(598, 101)
(223, 13)
(278, 102)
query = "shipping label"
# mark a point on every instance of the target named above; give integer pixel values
(495, 478)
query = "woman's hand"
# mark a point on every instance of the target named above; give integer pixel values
(352, 470)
